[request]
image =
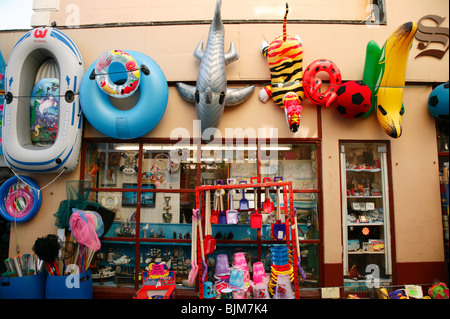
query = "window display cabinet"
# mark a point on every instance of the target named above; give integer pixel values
(150, 185)
(367, 255)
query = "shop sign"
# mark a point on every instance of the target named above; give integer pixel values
(432, 34)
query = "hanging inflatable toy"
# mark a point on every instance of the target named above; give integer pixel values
(313, 83)
(121, 74)
(438, 101)
(2, 95)
(20, 199)
(285, 57)
(353, 99)
(211, 93)
(387, 79)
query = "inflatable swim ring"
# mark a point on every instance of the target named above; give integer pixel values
(110, 64)
(29, 57)
(134, 122)
(312, 84)
(21, 203)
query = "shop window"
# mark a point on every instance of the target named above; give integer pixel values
(151, 188)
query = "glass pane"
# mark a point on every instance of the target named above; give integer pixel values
(221, 162)
(111, 164)
(169, 166)
(294, 162)
(306, 206)
(113, 265)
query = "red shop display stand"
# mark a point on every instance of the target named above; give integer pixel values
(289, 214)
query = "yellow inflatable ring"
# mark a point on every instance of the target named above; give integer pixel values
(110, 70)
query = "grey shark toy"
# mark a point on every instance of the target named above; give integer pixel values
(211, 94)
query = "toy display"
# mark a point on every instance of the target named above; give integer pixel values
(389, 78)
(285, 57)
(211, 93)
(96, 87)
(29, 54)
(20, 199)
(438, 101)
(353, 99)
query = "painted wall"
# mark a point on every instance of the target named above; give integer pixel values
(418, 225)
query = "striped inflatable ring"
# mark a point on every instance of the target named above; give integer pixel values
(19, 205)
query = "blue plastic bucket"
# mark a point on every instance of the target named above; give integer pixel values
(27, 287)
(78, 286)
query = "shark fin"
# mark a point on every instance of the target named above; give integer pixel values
(198, 52)
(236, 96)
(186, 91)
(232, 54)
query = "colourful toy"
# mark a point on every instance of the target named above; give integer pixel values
(2, 95)
(99, 100)
(285, 58)
(438, 101)
(439, 291)
(20, 200)
(43, 53)
(388, 80)
(211, 94)
(353, 99)
(44, 111)
(313, 83)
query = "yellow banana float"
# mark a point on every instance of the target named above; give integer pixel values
(390, 78)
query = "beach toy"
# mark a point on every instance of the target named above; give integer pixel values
(208, 291)
(194, 266)
(222, 265)
(261, 291)
(259, 274)
(268, 206)
(86, 228)
(236, 279)
(283, 289)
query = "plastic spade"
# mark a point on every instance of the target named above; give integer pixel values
(268, 204)
(194, 266)
(243, 203)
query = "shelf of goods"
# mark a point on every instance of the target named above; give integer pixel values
(365, 211)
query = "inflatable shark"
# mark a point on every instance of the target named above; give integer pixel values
(211, 94)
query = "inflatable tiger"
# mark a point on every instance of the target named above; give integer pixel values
(285, 58)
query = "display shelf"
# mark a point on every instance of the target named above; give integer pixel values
(365, 208)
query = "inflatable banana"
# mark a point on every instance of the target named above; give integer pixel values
(390, 77)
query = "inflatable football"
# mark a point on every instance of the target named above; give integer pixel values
(353, 99)
(438, 101)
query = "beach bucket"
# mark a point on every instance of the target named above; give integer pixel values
(77, 286)
(261, 291)
(283, 289)
(208, 291)
(27, 287)
(259, 273)
(236, 279)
